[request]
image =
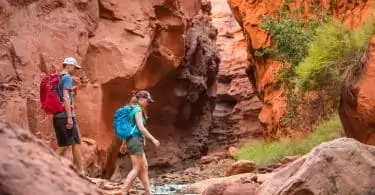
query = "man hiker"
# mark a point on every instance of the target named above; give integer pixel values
(64, 123)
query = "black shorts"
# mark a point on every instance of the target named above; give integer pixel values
(66, 137)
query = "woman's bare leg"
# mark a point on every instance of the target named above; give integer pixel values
(136, 166)
(143, 175)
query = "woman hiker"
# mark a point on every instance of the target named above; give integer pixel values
(135, 144)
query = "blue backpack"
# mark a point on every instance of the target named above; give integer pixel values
(124, 126)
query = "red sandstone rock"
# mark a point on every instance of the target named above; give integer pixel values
(237, 107)
(91, 157)
(231, 189)
(289, 159)
(208, 159)
(357, 102)
(343, 166)
(241, 189)
(27, 166)
(262, 72)
(232, 151)
(213, 157)
(241, 166)
(165, 46)
(220, 184)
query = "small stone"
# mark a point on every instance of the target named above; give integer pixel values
(242, 166)
(232, 151)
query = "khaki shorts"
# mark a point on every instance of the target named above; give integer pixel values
(135, 145)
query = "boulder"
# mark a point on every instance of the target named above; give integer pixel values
(241, 189)
(27, 166)
(241, 166)
(343, 166)
(221, 184)
(231, 189)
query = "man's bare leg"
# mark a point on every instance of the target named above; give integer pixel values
(77, 158)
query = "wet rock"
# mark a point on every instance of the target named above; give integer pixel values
(29, 163)
(241, 166)
(343, 166)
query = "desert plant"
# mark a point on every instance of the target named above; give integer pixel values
(334, 56)
(264, 153)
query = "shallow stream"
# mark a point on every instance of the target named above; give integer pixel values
(167, 189)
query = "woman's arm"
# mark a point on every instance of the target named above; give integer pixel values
(142, 128)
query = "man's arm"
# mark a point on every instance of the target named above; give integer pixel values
(67, 88)
(67, 105)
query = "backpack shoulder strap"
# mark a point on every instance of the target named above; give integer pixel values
(61, 75)
(133, 111)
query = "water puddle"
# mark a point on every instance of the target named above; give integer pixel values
(167, 189)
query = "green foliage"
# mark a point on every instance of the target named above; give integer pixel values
(361, 36)
(288, 35)
(291, 37)
(288, 1)
(264, 153)
(263, 52)
(333, 51)
(331, 42)
(317, 55)
(294, 100)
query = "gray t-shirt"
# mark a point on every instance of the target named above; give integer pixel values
(66, 83)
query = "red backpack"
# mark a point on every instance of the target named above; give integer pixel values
(49, 97)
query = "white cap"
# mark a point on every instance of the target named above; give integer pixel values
(71, 61)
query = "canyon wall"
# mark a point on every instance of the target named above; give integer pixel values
(166, 46)
(262, 72)
(235, 118)
(357, 105)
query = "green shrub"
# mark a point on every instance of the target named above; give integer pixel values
(264, 153)
(333, 50)
(331, 43)
(290, 37)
